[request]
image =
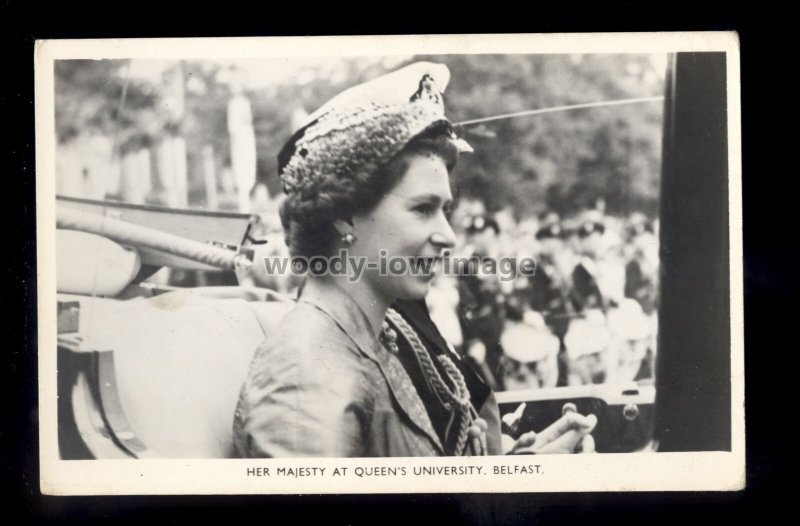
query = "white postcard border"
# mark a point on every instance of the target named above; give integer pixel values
(714, 471)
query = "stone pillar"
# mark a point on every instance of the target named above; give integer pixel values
(243, 145)
(210, 178)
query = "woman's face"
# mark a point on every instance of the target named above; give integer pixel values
(407, 231)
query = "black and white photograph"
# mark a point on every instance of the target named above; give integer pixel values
(322, 264)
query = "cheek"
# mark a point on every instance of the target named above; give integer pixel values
(383, 230)
(373, 237)
(405, 236)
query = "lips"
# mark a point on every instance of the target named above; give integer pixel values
(426, 268)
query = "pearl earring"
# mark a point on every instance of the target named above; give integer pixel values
(349, 238)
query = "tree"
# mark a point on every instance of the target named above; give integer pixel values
(563, 161)
(566, 160)
(89, 97)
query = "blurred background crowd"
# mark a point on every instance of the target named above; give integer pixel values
(587, 316)
(576, 190)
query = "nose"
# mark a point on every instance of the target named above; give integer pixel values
(443, 237)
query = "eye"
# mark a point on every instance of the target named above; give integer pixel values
(425, 209)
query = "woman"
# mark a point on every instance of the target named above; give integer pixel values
(357, 367)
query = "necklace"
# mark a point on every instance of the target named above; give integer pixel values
(471, 428)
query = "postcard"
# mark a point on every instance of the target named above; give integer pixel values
(390, 264)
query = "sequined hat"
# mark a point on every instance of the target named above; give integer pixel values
(366, 125)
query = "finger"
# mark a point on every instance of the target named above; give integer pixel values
(524, 444)
(565, 423)
(587, 444)
(566, 443)
(527, 439)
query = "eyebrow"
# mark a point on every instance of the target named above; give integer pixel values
(423, 198)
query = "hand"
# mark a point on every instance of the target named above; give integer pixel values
(568, 434)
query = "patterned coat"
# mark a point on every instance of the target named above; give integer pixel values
(323, 386)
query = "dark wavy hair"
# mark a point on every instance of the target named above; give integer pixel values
(308, 216)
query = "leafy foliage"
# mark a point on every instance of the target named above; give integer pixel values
(563, 161)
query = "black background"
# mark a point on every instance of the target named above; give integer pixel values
(769, 68)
